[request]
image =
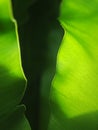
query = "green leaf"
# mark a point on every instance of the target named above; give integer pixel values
(74, 92)
(16, 120)
(12, 79)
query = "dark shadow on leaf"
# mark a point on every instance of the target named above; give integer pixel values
(40, 37)
(88, 121)
(15, 120)
(5, 26)
(11, 91)
(84, 121)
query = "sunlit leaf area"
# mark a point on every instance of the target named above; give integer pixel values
(48, 65)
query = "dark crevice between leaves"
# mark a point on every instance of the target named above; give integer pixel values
(40, 37)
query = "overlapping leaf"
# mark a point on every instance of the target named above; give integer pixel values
(74, 93)
(12, 80)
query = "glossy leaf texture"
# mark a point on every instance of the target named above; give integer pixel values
(74, 92)
(12, 79)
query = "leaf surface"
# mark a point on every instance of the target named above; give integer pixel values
(12, 79)
(74, 92)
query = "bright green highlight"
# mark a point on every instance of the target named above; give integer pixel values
(4, 9)
(74, 93)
